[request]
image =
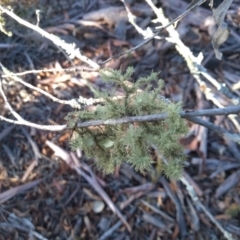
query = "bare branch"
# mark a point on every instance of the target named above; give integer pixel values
(194, 63)
(162, 116)
(53, 128)
(155, 34)
(131, 18)
(233, 136)
(21, 121)
(70, 49)
(74, 103)
(55, 70)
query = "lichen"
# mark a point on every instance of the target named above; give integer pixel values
(112, 145)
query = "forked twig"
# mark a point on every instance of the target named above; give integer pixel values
(155, 34)
(21, 121)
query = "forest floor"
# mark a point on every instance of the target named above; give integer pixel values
(43, 197)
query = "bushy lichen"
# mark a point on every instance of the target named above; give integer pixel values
(112, 145)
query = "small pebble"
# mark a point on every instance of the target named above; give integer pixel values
(97, 206)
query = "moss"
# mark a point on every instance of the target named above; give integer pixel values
(112, 145)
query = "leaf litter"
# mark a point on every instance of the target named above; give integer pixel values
(56, 194)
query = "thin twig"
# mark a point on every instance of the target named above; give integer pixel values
(195, 67)
(52, 128)
(196, 201)
(194, 63)
(15, 114)
(85, 171)
(162, 116)
(161, 29)
(104, 195)
(21, 121)
(233, 136)
(74, 103)
(131, 19)
(191, 116)
(70, 49)
(55, 70)
(179, 210)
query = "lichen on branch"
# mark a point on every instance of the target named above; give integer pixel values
(112, 145)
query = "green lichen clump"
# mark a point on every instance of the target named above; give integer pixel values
(111, 145)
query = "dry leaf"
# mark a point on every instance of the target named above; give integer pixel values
(222, 33)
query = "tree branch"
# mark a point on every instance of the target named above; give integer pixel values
(156, 117)
(70, 49)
